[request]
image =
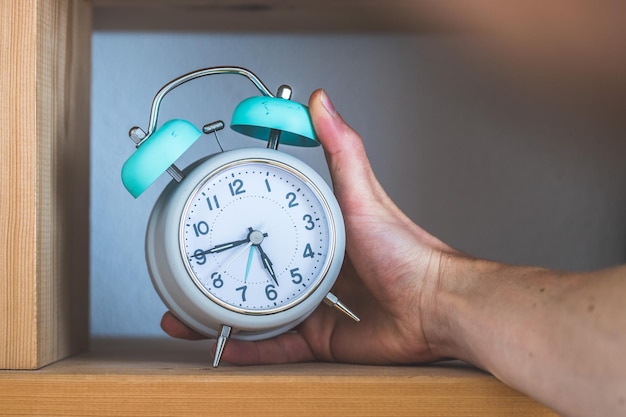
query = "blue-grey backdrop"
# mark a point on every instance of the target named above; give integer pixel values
(483, 166)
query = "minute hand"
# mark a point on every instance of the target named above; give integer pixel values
(226, 246)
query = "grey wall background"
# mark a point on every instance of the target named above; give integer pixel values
(471, 160)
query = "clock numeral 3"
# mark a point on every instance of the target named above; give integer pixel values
(310, 225)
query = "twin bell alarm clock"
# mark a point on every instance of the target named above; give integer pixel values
(244, 243)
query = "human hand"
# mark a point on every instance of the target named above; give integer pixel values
(389, 278)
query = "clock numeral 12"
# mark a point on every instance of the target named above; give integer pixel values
(236, 187)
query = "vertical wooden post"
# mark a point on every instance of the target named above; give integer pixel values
(44, 180)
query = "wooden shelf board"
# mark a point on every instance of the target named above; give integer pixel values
(166, 377)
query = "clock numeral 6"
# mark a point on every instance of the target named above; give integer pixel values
(270, 292)
(217, 280)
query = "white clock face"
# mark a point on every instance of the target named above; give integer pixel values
(257, 236)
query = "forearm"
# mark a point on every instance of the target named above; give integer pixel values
(558, 337)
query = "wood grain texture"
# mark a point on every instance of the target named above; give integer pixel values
(18, 46)
(44, 154)
(173, 378)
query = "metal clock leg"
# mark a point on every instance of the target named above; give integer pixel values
(332, 301)
(221, 344)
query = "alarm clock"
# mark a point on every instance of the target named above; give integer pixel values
(244, 243)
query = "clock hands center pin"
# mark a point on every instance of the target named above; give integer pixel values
(254, 239)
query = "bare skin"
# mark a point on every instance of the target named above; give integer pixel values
(558, 337)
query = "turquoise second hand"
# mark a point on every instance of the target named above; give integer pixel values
(249, 263)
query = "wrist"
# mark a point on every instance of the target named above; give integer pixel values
(447, 300)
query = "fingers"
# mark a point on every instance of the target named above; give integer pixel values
(175, 328)
(347, 160)
(355, 184)
(286, 348)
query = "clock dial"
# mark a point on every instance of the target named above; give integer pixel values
(257, 236)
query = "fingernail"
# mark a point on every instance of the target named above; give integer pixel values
(328, 105)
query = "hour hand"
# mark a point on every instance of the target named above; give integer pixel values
(267, 263)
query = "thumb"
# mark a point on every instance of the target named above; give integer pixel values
(354, 182)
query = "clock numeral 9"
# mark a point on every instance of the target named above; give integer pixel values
(217, 280)
(200, 256)
(236, 187)
(201, 228)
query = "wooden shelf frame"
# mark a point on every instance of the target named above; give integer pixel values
(167, 378)
(44, 180)
(45, 58)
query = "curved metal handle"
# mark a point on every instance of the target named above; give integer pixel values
(156, 102)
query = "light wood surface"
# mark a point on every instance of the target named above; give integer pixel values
(44, 180)
(174, 378)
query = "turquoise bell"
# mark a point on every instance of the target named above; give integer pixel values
(273, 119)
(259, 116)
(157, 153)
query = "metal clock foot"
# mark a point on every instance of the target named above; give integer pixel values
(332, 301)
(221, 344)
